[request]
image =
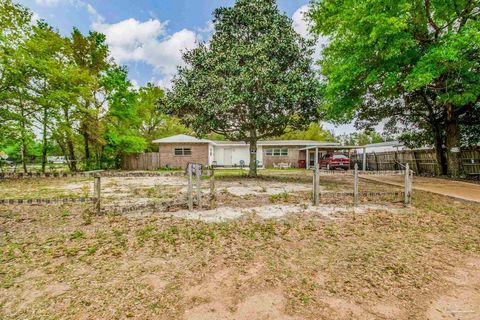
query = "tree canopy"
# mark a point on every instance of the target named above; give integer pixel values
(66, 96)
(251, 81)
(414, 61)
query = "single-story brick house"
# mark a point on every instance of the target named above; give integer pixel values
(176, 151)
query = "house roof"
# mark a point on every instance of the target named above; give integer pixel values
(296, 143)
(183, 138)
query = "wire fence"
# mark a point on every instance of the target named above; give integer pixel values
(138, 197)
(356, 195)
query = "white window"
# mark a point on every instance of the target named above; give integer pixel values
(277, 152)
(183, 151)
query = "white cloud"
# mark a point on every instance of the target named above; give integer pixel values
(49, 3)
(131, 40)
(302, 27)
(300, 24)
(94, 14)
(208, 28)
(128, 38)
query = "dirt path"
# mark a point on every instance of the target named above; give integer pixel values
(456, 189)
(462, 300)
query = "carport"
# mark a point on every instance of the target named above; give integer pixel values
(316, 150)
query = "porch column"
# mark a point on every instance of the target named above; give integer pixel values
(308, 159)
(350, 155)
(316, 156)
(364, 159)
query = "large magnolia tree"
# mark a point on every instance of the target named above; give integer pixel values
(416, 60)
(253, 80)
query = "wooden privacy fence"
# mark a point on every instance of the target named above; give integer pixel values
(420, 161)
(141, 161)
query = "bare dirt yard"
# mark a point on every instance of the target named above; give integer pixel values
(263, 253)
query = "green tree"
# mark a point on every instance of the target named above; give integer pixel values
(425, 53)
(15, 26)
(122, 121)
(90, 53)
(46, 55)
(313, 132)
(155, 123)
(252, 81)
(15, 113)
(363, 138)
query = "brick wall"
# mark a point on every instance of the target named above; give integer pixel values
(168, 157)
(294, 154)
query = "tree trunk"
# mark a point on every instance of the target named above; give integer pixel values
(253, 158)
(71, 159)
(71, 154)
(452, 139)
(44, 140)
(440, 154)
(87, 150)
(24, 155)
(23, 147)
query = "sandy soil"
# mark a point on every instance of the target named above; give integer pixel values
(278, 211)
(461, 298)
(456, 189)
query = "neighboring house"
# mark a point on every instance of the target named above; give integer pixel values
(382, 147)
(176, 151)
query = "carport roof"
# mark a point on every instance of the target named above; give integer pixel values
(333, 147)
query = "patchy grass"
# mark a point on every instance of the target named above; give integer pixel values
(54, 266)
(279, 197)
(262, 173)
(46, 188)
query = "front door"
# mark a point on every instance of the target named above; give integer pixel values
(227, 157)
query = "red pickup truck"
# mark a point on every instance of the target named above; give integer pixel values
(334, 161)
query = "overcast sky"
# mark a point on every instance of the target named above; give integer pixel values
(148, 36)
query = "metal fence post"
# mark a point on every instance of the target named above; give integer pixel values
(212, 187)
(407, 185)
(97, 193)
(198, 173)
(410, 187)
(316, 185)
(355, 185)
(190, 187)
